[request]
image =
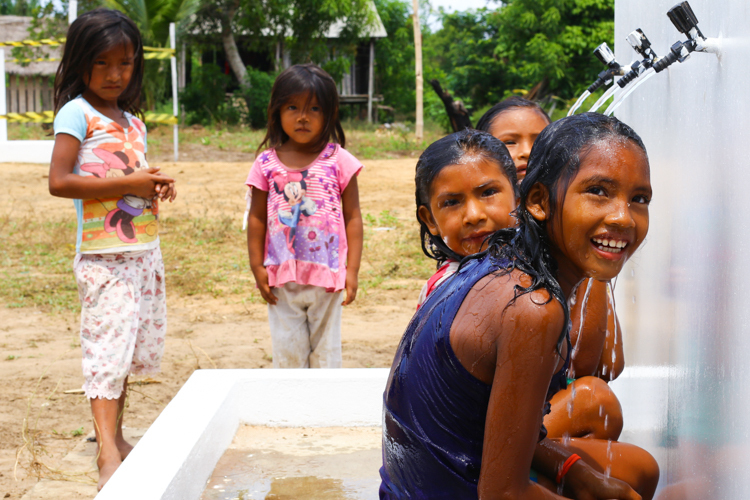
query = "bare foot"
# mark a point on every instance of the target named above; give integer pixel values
(124, 448)
(107, 466)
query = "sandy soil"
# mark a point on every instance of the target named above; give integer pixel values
(203, 332)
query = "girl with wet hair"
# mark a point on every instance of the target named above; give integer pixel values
(466, 190)
(99, 160)
(598, 355)
(465, 399)
(516, 122)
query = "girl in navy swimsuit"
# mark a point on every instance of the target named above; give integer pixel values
(466, 395)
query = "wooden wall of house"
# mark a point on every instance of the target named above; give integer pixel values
(29, 93)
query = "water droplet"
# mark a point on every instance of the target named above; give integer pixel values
(632, 272)
(601, 410)
(633, 299)
(606, 424)
(566, 439)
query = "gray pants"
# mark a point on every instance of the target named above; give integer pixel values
(306, 327)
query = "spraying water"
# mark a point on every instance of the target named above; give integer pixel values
(585, 302)
(600, 102)
(579, 102)
(643, 79)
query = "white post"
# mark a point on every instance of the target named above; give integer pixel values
(419, 126)
(3, 108)
(370, 82)
(173, 60)
(72, 11)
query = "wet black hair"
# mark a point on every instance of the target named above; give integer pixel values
(485, 122)
(554, 161)
(91, 34)
(448, 151)
(304, 79)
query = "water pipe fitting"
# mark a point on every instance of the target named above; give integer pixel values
(686, 22)
(607, 57)
(641, 44)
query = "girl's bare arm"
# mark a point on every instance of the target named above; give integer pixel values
(256, 240)
(65, 184)
(588, 342)
(525, 348)
(353, 223)
(612, 361)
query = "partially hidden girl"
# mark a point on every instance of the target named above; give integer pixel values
(465, 399)
(588, 407)
(304, 234)
(99, 160)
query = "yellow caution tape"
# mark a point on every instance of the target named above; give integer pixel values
(34, 43)
(30, 117)
(147, 55)
(49, 117)
(160, 118)
(41, 59)
(151, 52)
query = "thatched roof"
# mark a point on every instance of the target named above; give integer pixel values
(14, 29)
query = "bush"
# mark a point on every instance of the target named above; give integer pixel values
(205, 98)
(257, 97)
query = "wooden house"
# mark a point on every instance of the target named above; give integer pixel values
(29, 87)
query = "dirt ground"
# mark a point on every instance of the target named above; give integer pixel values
(40, 352)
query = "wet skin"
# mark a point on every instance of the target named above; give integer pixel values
(518, 128)
(502, 344)
(468, 202)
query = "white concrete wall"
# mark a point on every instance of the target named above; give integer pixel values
(178, 453)
(26, 151)
(683, 298)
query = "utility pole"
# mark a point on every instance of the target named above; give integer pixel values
(418, 70)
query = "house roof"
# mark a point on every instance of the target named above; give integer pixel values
(15, 29)
(376, 29)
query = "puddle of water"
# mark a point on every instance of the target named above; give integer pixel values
(276, 463)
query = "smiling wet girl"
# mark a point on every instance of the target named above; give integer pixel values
(464, 402)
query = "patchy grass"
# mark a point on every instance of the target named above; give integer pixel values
(203, 256)
(362, 140)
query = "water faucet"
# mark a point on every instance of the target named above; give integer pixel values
(686, 22)
(614, 68)
(641, 44)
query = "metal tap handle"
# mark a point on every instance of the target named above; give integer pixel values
(684, 19)
(604, 54)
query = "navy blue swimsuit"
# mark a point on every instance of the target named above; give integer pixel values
(434, 410)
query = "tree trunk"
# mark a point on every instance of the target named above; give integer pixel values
(456, 110)
(230, 47)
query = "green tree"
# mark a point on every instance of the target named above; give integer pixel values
(18, 7)
(550, 42)
(153, 18)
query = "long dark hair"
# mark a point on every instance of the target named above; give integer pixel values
(485, 122)
(91, 34)
(304, 79)
(554, 161)
(448, 151)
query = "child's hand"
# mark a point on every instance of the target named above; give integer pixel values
(166, 190)
(261, 278)
(143, 183)
(352, 281)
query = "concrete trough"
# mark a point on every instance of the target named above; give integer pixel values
(178, 453)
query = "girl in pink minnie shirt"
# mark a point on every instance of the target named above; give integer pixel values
(304, 233)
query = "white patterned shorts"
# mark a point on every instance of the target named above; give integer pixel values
(123, 318)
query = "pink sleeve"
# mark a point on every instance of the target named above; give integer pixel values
(256, 178)
(349, 166)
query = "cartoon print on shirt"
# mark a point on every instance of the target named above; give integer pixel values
(293, 187)
(119, 220)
